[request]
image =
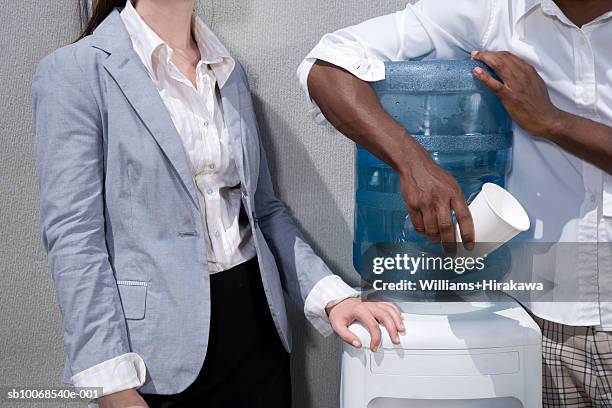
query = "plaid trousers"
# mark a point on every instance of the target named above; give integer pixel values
(577, 365)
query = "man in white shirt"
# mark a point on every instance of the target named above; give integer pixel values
(554, 59)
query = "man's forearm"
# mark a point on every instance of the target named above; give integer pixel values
(352, 107)
(430, 193)
(584, 138)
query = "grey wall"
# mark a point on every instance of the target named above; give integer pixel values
(312, 167)
(30, 336)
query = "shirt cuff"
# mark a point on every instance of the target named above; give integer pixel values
(117, 374)
(329, 291)
(348, 58)
(302, 74)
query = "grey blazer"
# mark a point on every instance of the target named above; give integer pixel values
(121, 220)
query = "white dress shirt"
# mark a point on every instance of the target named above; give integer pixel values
(198, 118)
(568, 199)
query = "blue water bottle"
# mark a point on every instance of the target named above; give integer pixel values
(455, 118)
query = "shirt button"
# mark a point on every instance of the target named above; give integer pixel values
(211, 166)
(217, 233)
(205, 123)
(209, 191)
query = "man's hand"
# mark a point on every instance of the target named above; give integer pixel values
(525, 97)
(523, 92)
(370, 314)
(431, 194)
(123, 399)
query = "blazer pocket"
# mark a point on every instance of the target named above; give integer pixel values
(133, 296)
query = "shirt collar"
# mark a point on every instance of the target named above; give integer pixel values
(547, 6)
(146, 44)
(145, 40)
(550, 8)
(212, 51)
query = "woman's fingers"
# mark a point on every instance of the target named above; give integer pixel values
(347, 335)
(384, 317)
(365, 316)
(393, 306)
(369, 314)
(395, 313)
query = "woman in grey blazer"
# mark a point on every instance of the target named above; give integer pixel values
(169, 249)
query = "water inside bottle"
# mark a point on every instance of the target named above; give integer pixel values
(459, 122)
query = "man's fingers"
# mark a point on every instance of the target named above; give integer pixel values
(503, 63)
(493, 59)
(430, 220)
(367, 319)
(347, 335)
(447, 229)
(417, 221)
(493, 84)
(465, 221)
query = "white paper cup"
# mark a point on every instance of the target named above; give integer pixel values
(498, 217)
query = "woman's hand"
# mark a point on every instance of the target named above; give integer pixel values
(370, 314)
(123, 399)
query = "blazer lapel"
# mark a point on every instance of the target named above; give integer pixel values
(127, 70)
(230, 99)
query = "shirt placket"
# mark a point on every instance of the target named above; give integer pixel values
(212, 168)
(586, 106)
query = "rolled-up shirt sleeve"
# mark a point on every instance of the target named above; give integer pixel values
(121, 373)
(427, 29)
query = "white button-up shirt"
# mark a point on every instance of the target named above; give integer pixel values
(198, 118)
(568, 199)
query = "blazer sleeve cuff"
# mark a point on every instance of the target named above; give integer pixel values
(329, 291)
(117, 374)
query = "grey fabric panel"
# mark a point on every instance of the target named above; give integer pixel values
(312, 166)
(31, 350)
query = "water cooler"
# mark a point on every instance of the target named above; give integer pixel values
(474, 353)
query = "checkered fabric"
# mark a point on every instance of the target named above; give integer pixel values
(577, 366)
